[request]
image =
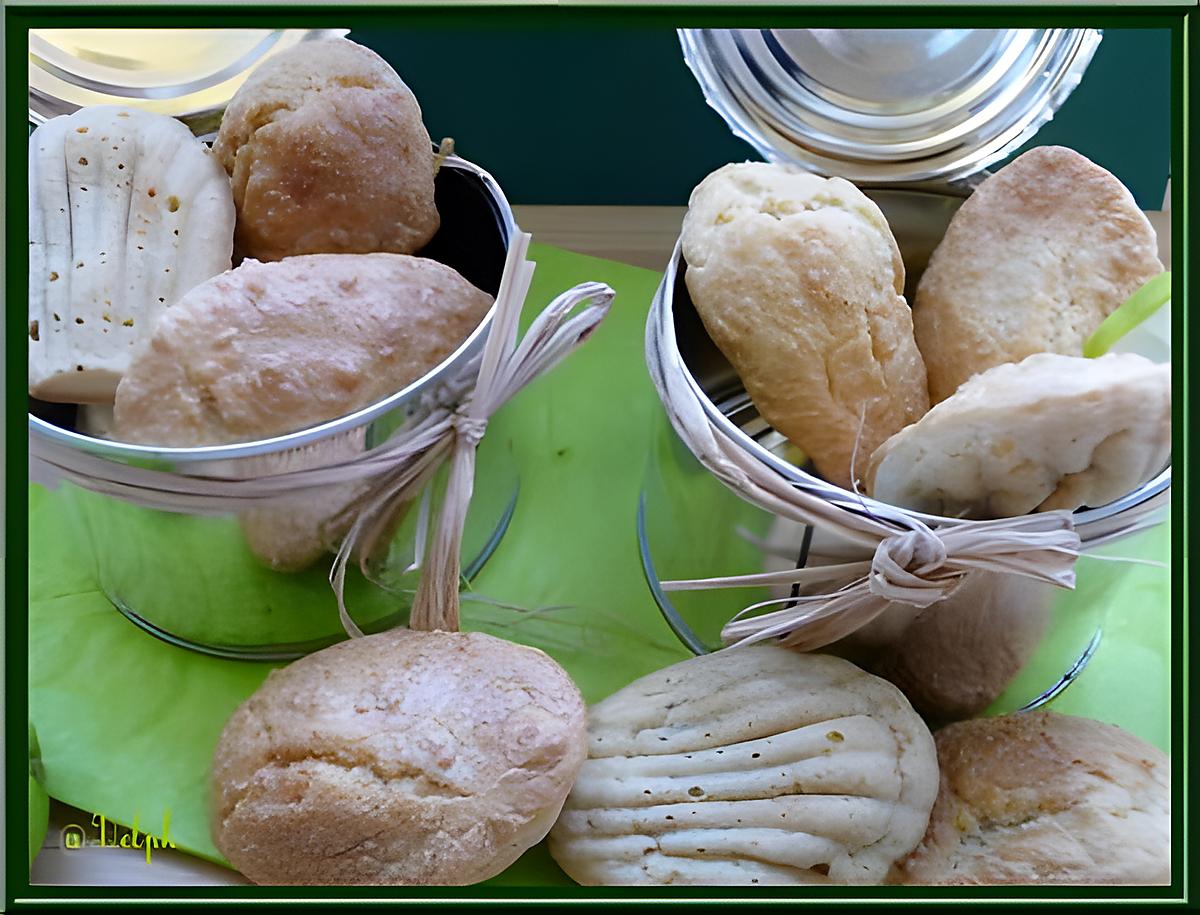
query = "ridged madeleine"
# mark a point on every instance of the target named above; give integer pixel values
(127, 212)
(754, 765)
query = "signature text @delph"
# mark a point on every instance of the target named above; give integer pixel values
(75, 836)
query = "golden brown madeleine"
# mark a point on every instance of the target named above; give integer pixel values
(1034, 260)
(798, 280)
(754, 765)
(431, 758)
(328, 154)
(1041, 798)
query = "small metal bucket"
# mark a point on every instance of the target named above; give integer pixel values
(193, 581)
(914, 117)
(954, 658)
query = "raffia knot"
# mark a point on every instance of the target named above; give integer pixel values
(911, 567)
(470, 429)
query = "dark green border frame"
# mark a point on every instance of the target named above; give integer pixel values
(1182, 21)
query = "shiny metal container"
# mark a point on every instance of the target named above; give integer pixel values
(1001, 635)
(887, 105)
(192, 581)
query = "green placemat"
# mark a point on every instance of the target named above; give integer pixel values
(126, 723)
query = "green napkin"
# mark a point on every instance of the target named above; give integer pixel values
(127, 723)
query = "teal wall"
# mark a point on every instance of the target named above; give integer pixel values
(607, 116)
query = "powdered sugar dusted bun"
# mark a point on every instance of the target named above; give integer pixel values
(327, 153)
(754, 765)
(1039, 798)
(798, 280)
(1049, 432)
(1034, 260)
(396, 759)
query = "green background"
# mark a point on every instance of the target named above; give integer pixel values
(573, 115)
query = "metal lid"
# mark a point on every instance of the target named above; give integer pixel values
(190, 74)
(887, 105)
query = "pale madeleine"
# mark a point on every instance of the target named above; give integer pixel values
(754, 765)
(127, 212)
(1049, 432)
(798, 281)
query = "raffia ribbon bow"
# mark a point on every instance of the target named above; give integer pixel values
(909, 567)
(505, 368)
(469, 429)
(918, 566)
